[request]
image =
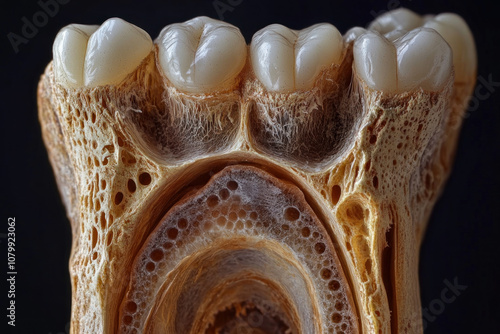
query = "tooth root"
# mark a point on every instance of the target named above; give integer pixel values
(375, 61)
(424, 60)
(201, 55)
(69, 50)
(458, 35)
(285, 60)
(400, 18)
(114, 51)
(317, 47)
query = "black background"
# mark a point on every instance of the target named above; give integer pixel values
(462, 241)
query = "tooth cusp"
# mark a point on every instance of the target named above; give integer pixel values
(69, 50)
(424, 60)
(113, 51)
(286, 60)
(201, 55)
(375, 61)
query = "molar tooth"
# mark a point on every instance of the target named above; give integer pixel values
(424, 60)
(395, 34)
(68, 51)
(201, 55)
(285, 60)
(375, 61)
(400, 18)
(458, 35)
(271, 52)
(114, 51)
(352, 34)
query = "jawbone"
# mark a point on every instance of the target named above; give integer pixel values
(286, 191)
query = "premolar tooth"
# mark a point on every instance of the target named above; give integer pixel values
(458, 35)
(285, 60)
(424, 60)
(201, 55)
(375, 61)
(400, 18)
(114, 51)
(69, 50)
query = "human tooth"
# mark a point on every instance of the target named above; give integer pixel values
(424, 60)
(420, 58)
(285, 60)
(202, 54)
(400, 18)
(394, 34)
(69, 51)
(353, 33)
(375, 61)
(114, 51)
(458, 35)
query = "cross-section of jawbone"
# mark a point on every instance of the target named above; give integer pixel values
(283, 189)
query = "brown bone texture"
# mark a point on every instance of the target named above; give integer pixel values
(245, 211)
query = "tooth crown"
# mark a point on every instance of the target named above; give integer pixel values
(202, 54)
(356, 162)
(285, 60)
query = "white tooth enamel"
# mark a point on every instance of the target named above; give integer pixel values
(114, 51)
(400, 18)
(271, 52)
(316, 48)
(458, 35)
(285, 60)
(353, 33)
(395, 34)
(68, 51)
(375, 61)
(424, 60)
(202, 54)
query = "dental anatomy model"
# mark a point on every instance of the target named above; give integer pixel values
(278, 187)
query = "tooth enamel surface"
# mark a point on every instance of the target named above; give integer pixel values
(69, 51)
(114, 51)
(458, 35)
(400, 18)
(395, 34)
(201, 55)
(285, 60)
(375, 61)
(424, 60)
(353, 33)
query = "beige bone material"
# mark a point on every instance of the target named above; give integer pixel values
(246, 211)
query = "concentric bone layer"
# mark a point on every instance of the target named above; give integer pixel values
(362, 167)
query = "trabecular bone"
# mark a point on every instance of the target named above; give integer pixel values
(280, 187)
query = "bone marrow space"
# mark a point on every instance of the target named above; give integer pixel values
(246, 238)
